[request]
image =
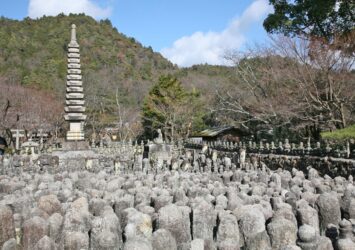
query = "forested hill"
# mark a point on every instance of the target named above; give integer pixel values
(33, 54)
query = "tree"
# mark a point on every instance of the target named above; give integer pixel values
(256, 102)
(26, 60)
(326, 79)
(330, 20)
(127, 123)
(295, 83)
(29, 109)
(171, 108)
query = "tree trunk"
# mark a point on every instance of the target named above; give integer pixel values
(342, 115)
(330, 86)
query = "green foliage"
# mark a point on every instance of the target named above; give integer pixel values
(320, 18)
(33, 53)
(9, 151)
(170, 107)
(340, 134)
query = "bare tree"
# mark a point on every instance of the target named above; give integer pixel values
(178, 119)
(29, 109)
(292, 81)
(324, 78)
(127, 121)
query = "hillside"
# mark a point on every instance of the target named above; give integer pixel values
(37, 49)
(340, 134)
(33, 54)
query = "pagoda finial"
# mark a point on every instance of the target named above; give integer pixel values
(73, 33)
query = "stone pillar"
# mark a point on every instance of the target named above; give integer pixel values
(281, 232)
(7, 226)
(252, 226)
(33, 230)
(163, 239)
(74, 109)
(329, 210)
(204, 220)
(176, 219)
(308, 215)
(228, 231)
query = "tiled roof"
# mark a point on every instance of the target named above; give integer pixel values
(211, 132)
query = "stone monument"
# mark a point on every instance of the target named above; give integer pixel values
(158, 149)
(74, 109)
(159, 139)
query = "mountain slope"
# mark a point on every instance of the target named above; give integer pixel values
(115, 68)
(33, 53)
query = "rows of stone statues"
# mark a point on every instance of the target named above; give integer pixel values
(200, 200)
(345, 150)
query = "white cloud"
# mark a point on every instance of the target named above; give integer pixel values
(38, 8)
(209, 47)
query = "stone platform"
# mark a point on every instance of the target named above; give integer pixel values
(75, 145)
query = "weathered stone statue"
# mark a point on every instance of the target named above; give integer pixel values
(159, 139)
(242, 155)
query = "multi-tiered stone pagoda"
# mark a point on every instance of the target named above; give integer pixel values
(74, 110)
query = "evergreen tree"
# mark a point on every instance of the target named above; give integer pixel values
(323, 18)
(172, 109)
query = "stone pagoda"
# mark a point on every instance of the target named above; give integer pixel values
(74, 109)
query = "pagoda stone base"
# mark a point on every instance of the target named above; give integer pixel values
(72, 146)
(76, 132)
(75, 136)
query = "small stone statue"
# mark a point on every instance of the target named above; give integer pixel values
(159, 139)
(242, 156)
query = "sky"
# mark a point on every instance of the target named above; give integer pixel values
(187, 32)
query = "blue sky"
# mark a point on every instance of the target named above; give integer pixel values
(185, 31)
